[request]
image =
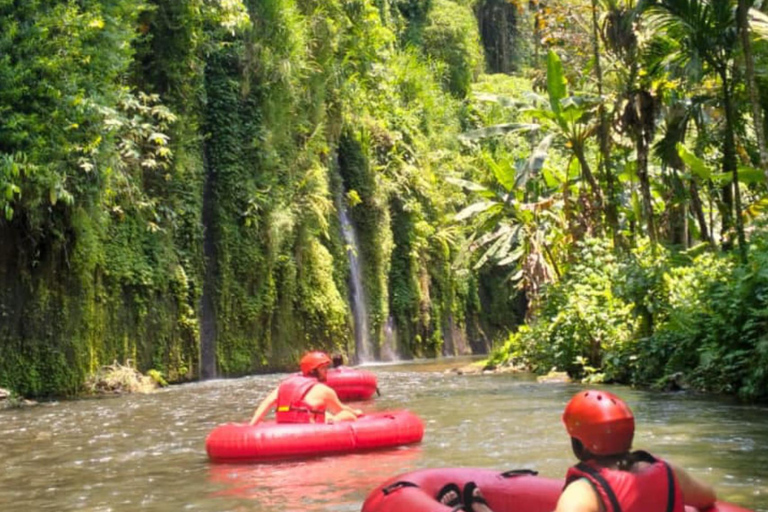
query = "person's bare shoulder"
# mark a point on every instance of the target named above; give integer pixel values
(579, 496)
(323, 388)
(322, 391)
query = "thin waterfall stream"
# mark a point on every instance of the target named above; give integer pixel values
(363, 350)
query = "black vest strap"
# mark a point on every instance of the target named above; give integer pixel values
(601, 481)
(307, 410)
(637, 456)
(670, 488)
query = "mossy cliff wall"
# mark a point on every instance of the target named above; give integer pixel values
(171, 182)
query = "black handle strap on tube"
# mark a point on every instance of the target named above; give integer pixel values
(519, 472)
(397, 485)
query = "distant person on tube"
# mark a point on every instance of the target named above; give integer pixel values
(305, 398)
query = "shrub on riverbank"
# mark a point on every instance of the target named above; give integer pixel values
(649, 319)
(117, 378)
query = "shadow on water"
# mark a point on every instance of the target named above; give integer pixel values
(146, 452)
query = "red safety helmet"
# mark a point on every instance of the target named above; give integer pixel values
(601, 421)
(313, 360)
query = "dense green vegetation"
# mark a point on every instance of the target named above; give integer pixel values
(636, 225)
(172, 175)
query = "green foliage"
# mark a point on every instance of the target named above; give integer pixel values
(584, 327)
(117, 118)
(451, 38)
(719, 324)
(647, 318)
(56, 87)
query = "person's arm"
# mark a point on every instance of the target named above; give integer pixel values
(579, 496)
(264, 407)
(695, 492)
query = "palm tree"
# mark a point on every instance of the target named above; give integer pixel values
(604, 136)
(706, 33)
(742, 18)
(638, 118)
(680, 114)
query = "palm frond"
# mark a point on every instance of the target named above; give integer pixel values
(504, 101)
(496, 130)
(758, 22)
(475, 209)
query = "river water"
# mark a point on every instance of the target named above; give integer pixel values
(147, 453)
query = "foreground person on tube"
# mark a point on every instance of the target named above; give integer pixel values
(305, 398)
(611, 478)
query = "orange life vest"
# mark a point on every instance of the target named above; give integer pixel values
(291, 407)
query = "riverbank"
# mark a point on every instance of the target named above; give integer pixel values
(113, 379)
(487, 367)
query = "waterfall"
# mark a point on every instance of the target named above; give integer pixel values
(208, 326)
(389, 346)
(363, 350)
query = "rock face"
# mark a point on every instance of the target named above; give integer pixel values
(497, 21)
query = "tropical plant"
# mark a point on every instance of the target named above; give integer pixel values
(518, 221)
(566, 120)
(705, 40)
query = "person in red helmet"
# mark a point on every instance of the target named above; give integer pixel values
(305, 398)
(610, 477)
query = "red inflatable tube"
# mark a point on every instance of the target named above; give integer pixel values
(511, 491)
(269, 441)
(352, 384)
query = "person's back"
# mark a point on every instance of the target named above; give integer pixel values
(321, 395)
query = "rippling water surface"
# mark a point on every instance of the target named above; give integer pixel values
(147, 453)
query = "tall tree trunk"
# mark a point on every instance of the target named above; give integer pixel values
(698, 211)
(645, 186)
(677, 211)
(611, 211)
(537, 17)
(729, 165)
(728, 162)
(586, 171)
(642, 103)
(742, 17)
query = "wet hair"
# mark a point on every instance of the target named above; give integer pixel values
(622, 461)
(338, 360)
(315, 373)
